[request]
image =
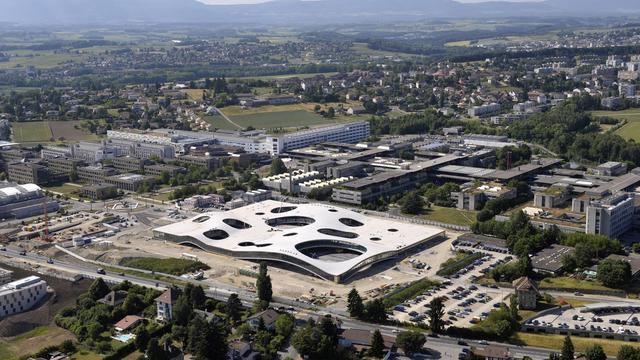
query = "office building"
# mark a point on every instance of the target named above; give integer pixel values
(128, 182)
(5, 276)
(100, 191)
(158, 169)
(611, 216)
(64, 166)
(611, 168)
(95, 174)
(348, 133)
(180, 140)
(28, 173)
(130, 164)
(21, 295)
(93, 152)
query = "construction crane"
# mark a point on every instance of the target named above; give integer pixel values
(45, 234)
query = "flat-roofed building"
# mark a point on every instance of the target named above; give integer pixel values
(21, 201)
(28, 173)
(129, 163)
(64, 166)
(21, 295)
(128, 182)
(95, 174)
(206, 161)
(611, 216)
(158, 169)
(5, 276)
(549, 259)
(100, 191)
(611, 168)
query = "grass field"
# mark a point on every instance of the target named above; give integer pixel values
(571, 283)
(548, 341)
(65, 189)
(281, 119)
(36, 131)
(450, 215)
(629, 131)
(171, 266)
(45, 131)
(32, 341)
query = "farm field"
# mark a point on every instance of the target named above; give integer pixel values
(629, 131)
(45, 131)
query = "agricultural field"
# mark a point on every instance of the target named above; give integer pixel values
(46, 131)
(24, 344)
(632, 116)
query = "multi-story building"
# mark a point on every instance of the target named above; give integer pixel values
(158, 169)
(95, 174)
(142, 150)
(100, 191)
(164, 305)
(130, 164)
(21, 295)
(21, 201)
(64, 166)
(93, 152)
(5, 276)
(611, 168)
(206, 161)
(128, 182)
(554, 196)
(28, 173)
(611, 216)
(55, 151)
(483, 110)
(348, 133)
(180, 140)
(474, 197)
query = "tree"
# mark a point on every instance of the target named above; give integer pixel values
(412, 203)
(182, 310)
(567, 349)
(277, 167)
(284, 325)
(142, 339)
(377, 344)
(233, 307)
(513, 307)
(436, 314)
(354, 304)
(197, 297)
(614, 273)
(98, 289)
(375, 311)
(410, 341)
(263, 285)
(155, 351)
(595, 352)
(628, 352)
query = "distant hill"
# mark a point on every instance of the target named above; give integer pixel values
(293, 11)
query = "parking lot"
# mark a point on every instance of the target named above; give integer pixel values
(602, 320)
(465, 303)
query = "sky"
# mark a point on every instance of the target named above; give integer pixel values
(230, 2)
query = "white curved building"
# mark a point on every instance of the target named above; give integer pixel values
(20, 201)
(330, 242)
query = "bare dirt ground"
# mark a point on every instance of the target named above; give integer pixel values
(287, 281)
(65, 294)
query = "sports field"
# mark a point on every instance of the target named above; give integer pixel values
(35, 131)
(289, 116)
(46, 131)
(629, 131)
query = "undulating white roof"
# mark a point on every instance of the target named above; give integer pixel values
(286, 232)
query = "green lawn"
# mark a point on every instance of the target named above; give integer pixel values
(171, 266)
(548, 341)
(629, 131)
(32, 341)
(450, 215)
(35, 131)
(571, 283)
(281, 119)
(66, 189)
